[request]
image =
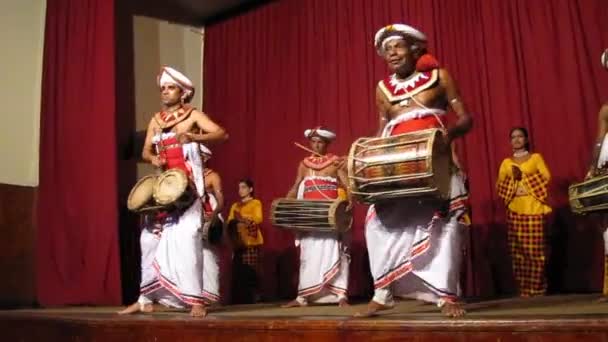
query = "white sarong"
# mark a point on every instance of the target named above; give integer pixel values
(324, 263)
(413, 251)
(601, 160)
(179, 269)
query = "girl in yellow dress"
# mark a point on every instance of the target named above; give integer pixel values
(522, 184)
(244, 222)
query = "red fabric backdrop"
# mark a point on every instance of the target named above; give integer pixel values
(77, 245)
(291, 65)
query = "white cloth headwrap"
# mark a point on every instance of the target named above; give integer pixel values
(321, 132)
(605, 59)
(172, 76)
(402, 28)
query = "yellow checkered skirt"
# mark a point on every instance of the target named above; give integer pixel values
(526, 237)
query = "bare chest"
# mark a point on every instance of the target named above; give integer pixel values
(433, 97)
(328, 171)
(185, 126)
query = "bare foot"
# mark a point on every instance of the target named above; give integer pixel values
(293, 304)
(198, 311)
(372, 308)
(602, 299)
(135, 308)
(453, 310)
(343, 303)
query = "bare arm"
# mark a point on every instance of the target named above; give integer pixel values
(299, 177)
(215, 182)
(455, 158)
(211, 133)
(382, 106)
(148, 153)
(465, 121)
(343, 178)
(602, 128)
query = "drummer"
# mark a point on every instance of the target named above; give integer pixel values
(599, 163)
(324, 257)
(178, 270)
(415, 247)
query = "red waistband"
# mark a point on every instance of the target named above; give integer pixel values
(320, 189)
(171, 150)
(417, 125)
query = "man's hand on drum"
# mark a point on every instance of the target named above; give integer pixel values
(596, 171)
(158, 161)
(447, 138)
(591, 173)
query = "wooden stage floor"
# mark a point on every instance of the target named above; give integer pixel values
(553, 318)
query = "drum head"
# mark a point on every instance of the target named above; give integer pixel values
(170, 186)
(141, 194)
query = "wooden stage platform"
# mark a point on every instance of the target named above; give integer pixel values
(554, 318)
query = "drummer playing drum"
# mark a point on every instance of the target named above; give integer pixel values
(179, 269)
(324, 259)
(599, 161)
(415, 250)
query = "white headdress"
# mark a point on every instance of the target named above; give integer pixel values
(172, 76)
(320, 132)
(397, 28)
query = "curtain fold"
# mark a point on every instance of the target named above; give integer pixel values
(77, 239)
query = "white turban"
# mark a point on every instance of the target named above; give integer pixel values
(320, 132)
(398, 28)
(605, 59)
(169, 75)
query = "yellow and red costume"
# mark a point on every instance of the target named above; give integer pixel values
(526, 202)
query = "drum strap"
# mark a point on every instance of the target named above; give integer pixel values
(425, 107)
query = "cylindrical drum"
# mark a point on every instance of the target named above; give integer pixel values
(406, 165)
(311, 215)
(590, 195)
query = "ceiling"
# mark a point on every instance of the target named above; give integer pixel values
(194, 12)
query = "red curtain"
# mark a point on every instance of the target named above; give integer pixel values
(291, 65)
(77, 245)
